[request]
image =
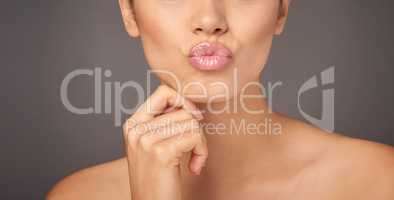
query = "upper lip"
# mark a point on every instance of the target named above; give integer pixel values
(206, 48)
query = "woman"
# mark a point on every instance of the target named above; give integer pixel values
(196, 47)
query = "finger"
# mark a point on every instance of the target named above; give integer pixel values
(156, 104)
(160, 100)
(175, 116)
(162, 121)
(190, 141)
(177, 129)
(197, 162)
(199, 156)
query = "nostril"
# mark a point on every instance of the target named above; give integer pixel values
(217, 30)
(198, 30)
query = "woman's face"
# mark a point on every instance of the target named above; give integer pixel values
(169, 29)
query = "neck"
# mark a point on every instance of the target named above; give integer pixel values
(243, 130)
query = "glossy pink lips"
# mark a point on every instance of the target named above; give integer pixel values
(209, 56)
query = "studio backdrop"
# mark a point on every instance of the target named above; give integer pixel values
(66, 64)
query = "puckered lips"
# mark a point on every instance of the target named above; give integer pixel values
(209, 56)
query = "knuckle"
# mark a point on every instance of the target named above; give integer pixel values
(163, 88)
(140, 128)
(145, 142)
(130, 122)
(132, 135)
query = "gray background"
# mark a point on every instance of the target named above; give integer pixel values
(43, 40)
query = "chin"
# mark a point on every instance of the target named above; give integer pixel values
(206, 91)
(206, 87)
(208, 96)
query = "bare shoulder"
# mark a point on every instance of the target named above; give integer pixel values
(341, 146)
(348, 166)
(105, 181)
(370, 155)
(367, 167)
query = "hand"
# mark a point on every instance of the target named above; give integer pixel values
(157, 137)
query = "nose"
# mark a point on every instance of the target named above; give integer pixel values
(209, 19)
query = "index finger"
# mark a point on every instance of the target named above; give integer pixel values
(161, 99)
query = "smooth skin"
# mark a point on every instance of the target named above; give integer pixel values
(163, 163)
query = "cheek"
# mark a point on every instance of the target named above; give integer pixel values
(254, 25)
(162, 36)
(159, 33)
(254, 28)
(254, 22)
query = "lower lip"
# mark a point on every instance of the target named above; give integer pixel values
(209, 62)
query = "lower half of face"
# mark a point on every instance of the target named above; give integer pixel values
(168, 32)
